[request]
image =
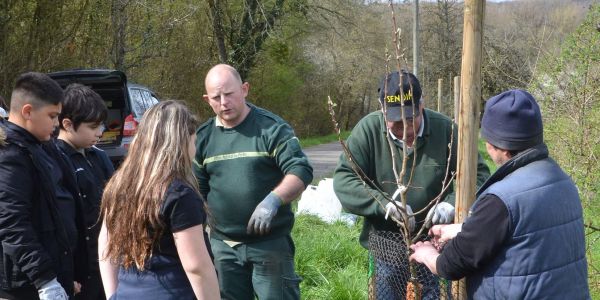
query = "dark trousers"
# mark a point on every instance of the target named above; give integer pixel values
(264, 269)
(28, 293)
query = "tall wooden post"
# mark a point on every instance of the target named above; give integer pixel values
(456, 97)
(468, 121)
(439, 98)
(416, 39)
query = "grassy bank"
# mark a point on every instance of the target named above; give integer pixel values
(318, 140)
(330, 260)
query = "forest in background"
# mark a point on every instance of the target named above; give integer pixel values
(294, 53)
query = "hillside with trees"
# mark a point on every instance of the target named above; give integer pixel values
(568, 86)
(293, 52)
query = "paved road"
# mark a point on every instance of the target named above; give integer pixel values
(324, 158)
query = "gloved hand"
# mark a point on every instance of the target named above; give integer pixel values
(442, 213)
(260, 221)
(392, 209)
(52, 290)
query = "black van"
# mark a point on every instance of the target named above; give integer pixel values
(126, 104)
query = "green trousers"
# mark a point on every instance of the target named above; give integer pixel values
(263, 269)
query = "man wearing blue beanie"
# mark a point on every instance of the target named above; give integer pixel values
(524, 237)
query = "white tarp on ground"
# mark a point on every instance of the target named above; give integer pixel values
(322, 202)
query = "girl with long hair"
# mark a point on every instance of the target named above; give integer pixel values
(152, 242)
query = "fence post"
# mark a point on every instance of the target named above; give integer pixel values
(468, 121)
(439, 98)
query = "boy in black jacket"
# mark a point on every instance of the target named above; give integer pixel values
(40, 212)
(81, 125)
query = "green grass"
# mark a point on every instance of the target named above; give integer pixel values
(330, 260)
(318, 140)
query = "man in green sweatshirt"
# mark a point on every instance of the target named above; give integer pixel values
(250, 166)
(426, 137)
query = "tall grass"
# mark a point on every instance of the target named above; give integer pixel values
(330, 260)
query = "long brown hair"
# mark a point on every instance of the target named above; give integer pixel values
(134, 195)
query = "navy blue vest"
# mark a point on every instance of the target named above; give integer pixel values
(544, 256)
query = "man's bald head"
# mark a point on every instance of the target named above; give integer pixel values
(221, 70)
(226, 94)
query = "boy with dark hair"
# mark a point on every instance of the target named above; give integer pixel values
(81, 125)
(40, 219)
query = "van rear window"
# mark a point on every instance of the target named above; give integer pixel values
(115, 102)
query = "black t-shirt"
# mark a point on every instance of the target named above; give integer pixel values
(183, 208)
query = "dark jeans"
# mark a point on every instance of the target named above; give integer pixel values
(264, 269)
(163, 278)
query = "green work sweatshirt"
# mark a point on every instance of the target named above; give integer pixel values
(371, 151)
(238, 167)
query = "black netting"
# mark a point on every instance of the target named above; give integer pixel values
(391, 273)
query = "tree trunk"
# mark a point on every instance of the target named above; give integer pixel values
(216, 15)
(119, 21)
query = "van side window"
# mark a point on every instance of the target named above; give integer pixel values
(147, 99)
(154, 100)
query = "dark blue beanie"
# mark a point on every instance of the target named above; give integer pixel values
(512, 121)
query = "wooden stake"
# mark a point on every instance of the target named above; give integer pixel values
(468, 121)
(456, 98)
(416, 39)
(439, 102)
